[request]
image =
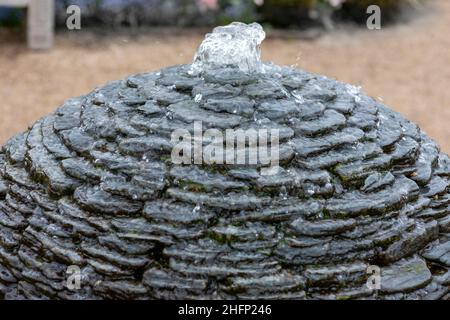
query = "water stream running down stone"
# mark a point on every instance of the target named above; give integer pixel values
(92, 186)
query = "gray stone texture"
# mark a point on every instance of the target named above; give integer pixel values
(92, 185)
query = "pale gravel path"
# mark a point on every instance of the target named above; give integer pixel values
(408, 66)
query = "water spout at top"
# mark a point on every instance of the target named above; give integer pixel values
(236, 44)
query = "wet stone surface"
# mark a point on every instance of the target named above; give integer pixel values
(92, 185)
(405, 276)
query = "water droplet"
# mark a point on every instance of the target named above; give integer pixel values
(255, 116)
(283, 193)
(298, 97)
(198, 97)
(197, 208)
(354, 92)
(169, 115)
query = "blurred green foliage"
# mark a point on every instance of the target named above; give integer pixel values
(303, 3)
(381, 3)
(356, 3)
(236, 10)
(11, 18)
(298, 13)
(272, 13)
(391, 9)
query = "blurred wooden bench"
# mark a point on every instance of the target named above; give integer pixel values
(40, 21)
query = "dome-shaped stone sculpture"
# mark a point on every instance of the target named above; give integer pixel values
(93, 188)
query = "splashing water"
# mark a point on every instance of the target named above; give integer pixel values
(237, 44)
(354, 92)
(198, 98)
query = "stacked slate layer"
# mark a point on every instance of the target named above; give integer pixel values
(93, 186)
